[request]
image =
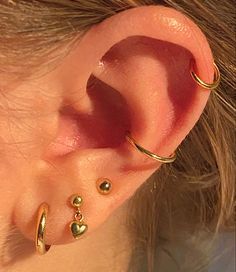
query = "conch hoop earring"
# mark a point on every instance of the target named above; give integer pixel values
(148, 153)
(205, 85)
(41, 247)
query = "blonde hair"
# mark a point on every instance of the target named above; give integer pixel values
(197, 192)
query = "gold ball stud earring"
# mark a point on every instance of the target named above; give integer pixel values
(77, 226)
(104, 186)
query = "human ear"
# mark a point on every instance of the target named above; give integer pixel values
(129, 73)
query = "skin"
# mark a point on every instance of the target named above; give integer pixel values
(58, 137)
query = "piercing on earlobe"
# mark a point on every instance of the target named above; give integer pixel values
(77, 226)
(104, 186)
(40, 245)
(205, 85)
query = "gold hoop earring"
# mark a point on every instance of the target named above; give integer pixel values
(208, 86)
(148, 153)
(41, 247)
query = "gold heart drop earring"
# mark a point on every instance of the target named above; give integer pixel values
(77, 226)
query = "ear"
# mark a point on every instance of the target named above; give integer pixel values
(130, 72)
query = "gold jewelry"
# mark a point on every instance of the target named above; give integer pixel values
(77, 226)
(212, 86)
(41, 247)
(149, 154)
(104, 186)
(209, 86)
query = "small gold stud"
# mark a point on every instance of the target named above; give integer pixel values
(104, 186)
(76, 201)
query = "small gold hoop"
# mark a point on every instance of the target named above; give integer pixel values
(208, 86)
(41, 247)
(148, 153)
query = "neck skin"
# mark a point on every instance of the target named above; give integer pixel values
(106, 249)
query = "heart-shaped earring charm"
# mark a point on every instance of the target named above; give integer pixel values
(78, 229)
(77, 226)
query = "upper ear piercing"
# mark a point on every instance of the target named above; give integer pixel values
(41, 247)
(172, 158)
(148, 153)
(209, 86)
(104, 186)
(77, 226)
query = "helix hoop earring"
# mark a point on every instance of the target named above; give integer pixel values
(148, 153)
(40, 234)
(205, 85)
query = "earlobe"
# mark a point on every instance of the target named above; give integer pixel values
(140, 62)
